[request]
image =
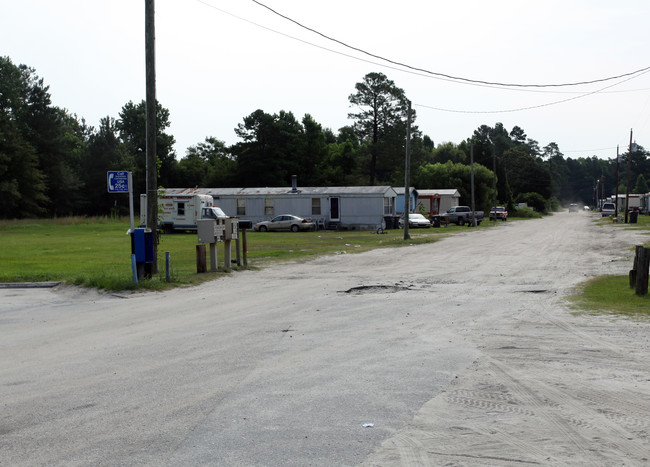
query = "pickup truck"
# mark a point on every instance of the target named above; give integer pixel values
(499, 212)
(461, 215)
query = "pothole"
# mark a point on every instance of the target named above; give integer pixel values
(375, 289)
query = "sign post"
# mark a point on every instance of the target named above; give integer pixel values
(122, 182)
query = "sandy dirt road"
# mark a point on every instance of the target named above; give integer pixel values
(462, 352)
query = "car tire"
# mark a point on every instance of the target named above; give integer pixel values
(295, 228)
(263, 228)
(460, 221)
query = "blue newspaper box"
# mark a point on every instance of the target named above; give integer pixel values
(142, 248)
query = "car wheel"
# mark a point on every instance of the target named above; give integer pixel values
(294, 228)
(460, 221)
(263, 228)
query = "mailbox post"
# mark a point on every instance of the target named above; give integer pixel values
(211, 231)
(231, 233)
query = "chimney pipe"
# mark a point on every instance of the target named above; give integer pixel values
(294, 184)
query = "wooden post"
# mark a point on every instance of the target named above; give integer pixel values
(213, 257)
(151, 169)
(642, 263)
(226, 254)
(238, 250)
(244, 247)
(200, 259)
(632, 273)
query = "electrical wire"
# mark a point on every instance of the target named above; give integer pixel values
(548, 104)
(444, 75)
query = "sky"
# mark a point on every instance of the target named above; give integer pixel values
(217, 61)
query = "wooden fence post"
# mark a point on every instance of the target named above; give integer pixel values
(642, 264)
(632, 273)
(201, 265)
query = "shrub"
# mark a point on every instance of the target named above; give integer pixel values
(526, 213)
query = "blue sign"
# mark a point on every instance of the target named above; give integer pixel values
(118, 181)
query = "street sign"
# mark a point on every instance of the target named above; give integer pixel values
(118, 181)
(121, 181)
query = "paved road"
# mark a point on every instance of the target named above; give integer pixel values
(461, 352)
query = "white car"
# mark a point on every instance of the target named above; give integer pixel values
(415, 220)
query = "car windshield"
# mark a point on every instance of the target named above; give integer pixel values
(416, 216)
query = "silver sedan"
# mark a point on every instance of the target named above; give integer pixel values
(285, 222)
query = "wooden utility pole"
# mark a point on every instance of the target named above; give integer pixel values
(494, 180)
(471, 158)
(629, 169)
(407, 174)
(151, 167)
(617, 182)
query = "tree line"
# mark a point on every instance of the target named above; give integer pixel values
(53, 164)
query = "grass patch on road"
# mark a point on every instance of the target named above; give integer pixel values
(611, 294)
(96, 252)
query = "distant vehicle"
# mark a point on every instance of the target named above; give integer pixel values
(573, 207)
(499, 212)
(608, 209)
(180, 212)
(462, 215)
(285, 222)
(586, 208)
(415, 220)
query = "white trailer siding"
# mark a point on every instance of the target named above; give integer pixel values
(358, 207)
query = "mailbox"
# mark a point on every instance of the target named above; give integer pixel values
(245, 224)
(210, 230)
(232, 228)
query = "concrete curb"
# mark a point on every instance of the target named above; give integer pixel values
(29, 285)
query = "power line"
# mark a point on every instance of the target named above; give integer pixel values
(412, 72)
(444, 75)
(548, 104)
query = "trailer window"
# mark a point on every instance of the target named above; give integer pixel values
(389, 205)
(241, 206)
(180, 209)
(268, 206)
(315, 206)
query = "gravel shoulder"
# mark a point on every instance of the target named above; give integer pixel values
(461, 352)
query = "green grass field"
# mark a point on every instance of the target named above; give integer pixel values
(96, 252)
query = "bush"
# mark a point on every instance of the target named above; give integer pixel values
(534, 200)
(553, 205)
(526, 213)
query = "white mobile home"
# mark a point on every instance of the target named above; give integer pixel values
(350, 207)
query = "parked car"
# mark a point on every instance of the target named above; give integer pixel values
(415, 220)
(499, 212)
(285, 222)
(608, 209)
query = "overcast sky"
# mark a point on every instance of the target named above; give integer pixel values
(218, 61)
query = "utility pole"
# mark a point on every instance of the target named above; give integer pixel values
(151, 168)
(629, 170)
(617, 182)
(471, 158)
(407, 173)
(494, 180)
